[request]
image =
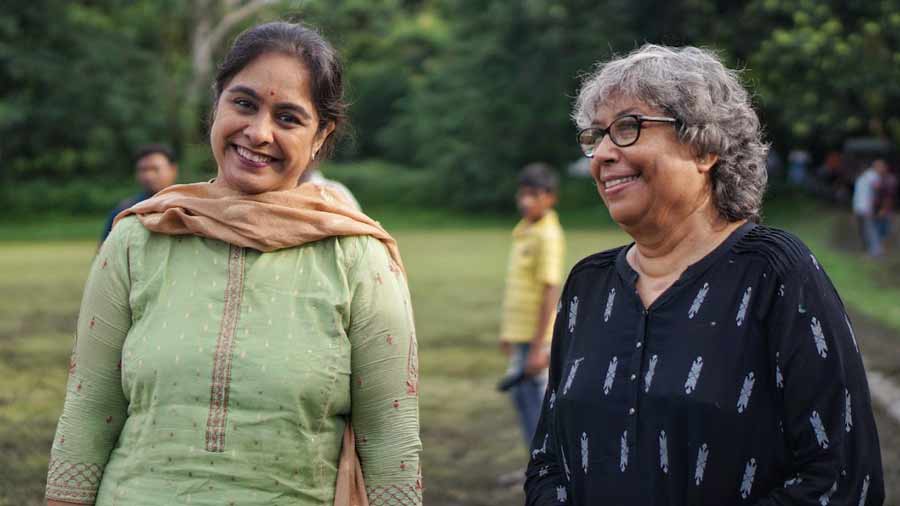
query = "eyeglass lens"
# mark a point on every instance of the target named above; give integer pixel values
(622, 132)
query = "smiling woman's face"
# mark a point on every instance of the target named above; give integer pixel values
(653, 183)
(265, 130)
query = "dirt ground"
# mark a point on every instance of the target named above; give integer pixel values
(881, 348)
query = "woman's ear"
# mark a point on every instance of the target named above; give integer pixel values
(706, 162)
(321, 136)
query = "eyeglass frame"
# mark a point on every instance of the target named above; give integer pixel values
(640, 118)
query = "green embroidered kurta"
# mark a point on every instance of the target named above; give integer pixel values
(210, 374)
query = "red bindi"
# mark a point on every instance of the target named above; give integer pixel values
(271, 93)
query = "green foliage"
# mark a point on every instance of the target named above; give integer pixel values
(411, 197)
(85, 84)
(498, 96)
(384, 185)
(40, 197)
(466, 90)
(828, 70)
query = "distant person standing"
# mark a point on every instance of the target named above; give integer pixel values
(798, 159)
(155, 169)
(864, 207)
(885, 200)
(533, 279)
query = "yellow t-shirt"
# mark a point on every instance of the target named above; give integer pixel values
(536, 260)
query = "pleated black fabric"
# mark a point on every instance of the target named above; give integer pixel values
(741, 384)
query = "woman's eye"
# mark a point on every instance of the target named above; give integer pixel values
(288, 118)
(243, 103)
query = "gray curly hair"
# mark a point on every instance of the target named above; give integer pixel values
(713, 109)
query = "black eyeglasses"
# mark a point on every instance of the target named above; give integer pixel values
(623, 132)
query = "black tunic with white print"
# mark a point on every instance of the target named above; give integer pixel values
(742, 384)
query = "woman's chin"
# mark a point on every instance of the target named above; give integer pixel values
(624, 215)
(245, 182)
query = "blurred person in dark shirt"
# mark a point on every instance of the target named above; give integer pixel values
(155, 169)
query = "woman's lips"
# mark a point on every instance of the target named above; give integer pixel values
(252, 159)
(617, 185)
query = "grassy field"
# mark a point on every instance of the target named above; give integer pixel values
(456, 274)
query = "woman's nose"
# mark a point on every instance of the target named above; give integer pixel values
(259, 130)
(605, 151)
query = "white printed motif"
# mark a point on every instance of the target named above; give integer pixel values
(544, 471)
(565, 462)
(558, 306)
(819, 429)
(781, 290)
(623, 453)
(746, 391)
(779, 378)
(584, 452)
(796, 480)
(573, 313)
(865, 491)
(610, 375)
(698, 301)
(825, 498)
(609, 305)
(852, 335)
(663, 452)
(561, 493)
(814, 261)
(572, 372)
(552, 399)
(742, 311)
(651, 369)
(848, 411)
(747, 482)
(542, 449)
(693, 376)
(819, 337)
(702, 457)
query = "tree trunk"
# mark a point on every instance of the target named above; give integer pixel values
(214, 20)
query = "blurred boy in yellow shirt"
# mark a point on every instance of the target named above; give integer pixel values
(533, 282)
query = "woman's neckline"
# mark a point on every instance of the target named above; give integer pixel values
(630, 275)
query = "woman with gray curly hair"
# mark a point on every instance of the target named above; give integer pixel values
(711, 361)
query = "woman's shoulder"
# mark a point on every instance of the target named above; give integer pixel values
(353, 250)
(783, 251)
(127, 230)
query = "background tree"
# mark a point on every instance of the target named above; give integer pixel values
(465, 91)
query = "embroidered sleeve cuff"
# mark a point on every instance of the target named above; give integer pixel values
(73, 482)
(407, 494)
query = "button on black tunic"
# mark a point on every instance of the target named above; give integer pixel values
(741, 384)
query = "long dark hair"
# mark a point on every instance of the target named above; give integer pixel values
(310, 48)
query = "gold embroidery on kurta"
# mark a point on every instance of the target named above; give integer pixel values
(221, 374)
(73, 482)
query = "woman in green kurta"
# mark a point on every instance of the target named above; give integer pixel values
(230, 330)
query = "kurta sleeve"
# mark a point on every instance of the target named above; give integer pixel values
(546, 483)
(95, 406)
(827, 414)
(384, 368)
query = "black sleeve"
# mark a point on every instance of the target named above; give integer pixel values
(107, 227)
(545, 481)
(827, 414)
